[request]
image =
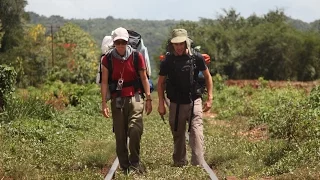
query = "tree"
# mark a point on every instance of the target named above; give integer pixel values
(1, 33)
(276, 16)
(231, 19)
(12, 16)
(76, 55)
(30, 57)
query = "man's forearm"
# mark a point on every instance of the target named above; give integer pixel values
(160, 90)
(209, 86)
(146, 87)
(104, 92)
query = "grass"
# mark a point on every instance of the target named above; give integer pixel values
(78, 142)
(69, 145)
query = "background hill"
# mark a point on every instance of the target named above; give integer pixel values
(271, 46)
(154, 32)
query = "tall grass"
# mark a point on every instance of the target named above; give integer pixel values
(32, 107)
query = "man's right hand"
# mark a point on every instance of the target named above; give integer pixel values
(105, 111)
(161, 109)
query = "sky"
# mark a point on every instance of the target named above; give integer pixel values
(305, 10)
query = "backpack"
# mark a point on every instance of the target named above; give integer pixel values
(136, 42)
(106, 47)
(183, 84)
(200, 85)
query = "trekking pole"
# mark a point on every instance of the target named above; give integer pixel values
(162, 117)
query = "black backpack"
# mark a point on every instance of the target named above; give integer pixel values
(183, 84)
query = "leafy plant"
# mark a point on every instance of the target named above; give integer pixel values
(7, 84)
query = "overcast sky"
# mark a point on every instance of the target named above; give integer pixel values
(305, 10)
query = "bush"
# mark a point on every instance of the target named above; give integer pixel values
(31, 106)
(314, 98)
(7, 82)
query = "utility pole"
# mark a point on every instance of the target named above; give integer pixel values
(57, 26)
(52, 58)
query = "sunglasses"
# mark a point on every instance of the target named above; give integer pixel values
(118, 42)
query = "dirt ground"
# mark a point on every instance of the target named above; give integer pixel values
(274, 84)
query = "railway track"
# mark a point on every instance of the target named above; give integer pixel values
(111, 173)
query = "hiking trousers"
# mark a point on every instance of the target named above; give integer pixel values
(196, 138)
(127, 122)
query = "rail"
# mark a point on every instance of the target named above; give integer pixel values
(113, 169)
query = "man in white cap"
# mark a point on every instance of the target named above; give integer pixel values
(179, 71)
(127, 105)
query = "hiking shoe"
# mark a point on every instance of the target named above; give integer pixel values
(138, 168)
(180, 164)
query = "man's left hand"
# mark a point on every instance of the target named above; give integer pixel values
(207, 105)
(148, 107)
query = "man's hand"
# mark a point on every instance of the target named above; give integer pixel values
(105, 110)
(161, 109)
(207, 105)
(148, 106)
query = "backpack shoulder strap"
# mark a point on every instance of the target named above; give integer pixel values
(100, 63)
(110, 67)
(192, 70)
(136, 61)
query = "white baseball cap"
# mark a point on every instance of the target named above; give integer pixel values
(120, 33)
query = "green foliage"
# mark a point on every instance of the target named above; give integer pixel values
(76, 54)
(36, 141)
(263, 82)
(314, 98)
(78, 145)
(291, 119)
(81, 96)
(269, 46)
(30, 58)
(1, 33)
(78, 142)
(64, 148)
(256, 47)
(230, 102)
(218, 82)
(7, 84)
(27, 107)
(7, 79)
(12, 16)
(153, 32)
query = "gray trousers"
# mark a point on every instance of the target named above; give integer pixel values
(196, 138)
(127, 122)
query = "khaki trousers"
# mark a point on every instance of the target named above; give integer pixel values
(196, 138)
(127, 122)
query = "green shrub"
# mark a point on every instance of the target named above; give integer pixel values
(314, 98)
(218, 82)
(229, 102)
(31, 106)
(7, 83)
